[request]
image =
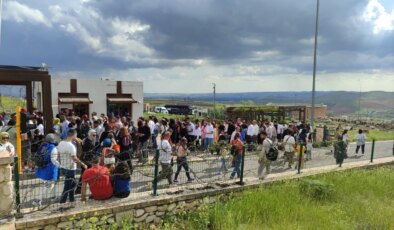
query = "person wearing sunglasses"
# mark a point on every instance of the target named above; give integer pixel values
(5, 144)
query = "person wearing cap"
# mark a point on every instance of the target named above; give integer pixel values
(49, 173)
(5, 144)
(98, 179)
(181, 160)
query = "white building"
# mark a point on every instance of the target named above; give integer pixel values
(85, 96)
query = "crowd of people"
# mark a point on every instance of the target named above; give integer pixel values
(104, 148)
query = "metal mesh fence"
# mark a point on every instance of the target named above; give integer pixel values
(205, 170)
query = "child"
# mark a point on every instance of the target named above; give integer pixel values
(121, 180)
(223, 153)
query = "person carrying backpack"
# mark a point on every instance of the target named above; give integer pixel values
(125, 143)
(263, 161)
(47, 163)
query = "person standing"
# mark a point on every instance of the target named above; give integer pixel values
(5, 144)
(165, 159)
(360, 138)
(289, 144)
(48, 172)
(238, 155)
(68, 165)
(208, 134)
(340, 151)
(181, 160)
(263, 160)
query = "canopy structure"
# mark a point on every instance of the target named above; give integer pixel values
(25, 76)
(272, 112)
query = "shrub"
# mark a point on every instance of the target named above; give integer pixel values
(316, 189)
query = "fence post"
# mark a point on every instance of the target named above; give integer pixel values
(300, 159)
(373, 149)
(154, 193)
(393, 148)
(241, 176)
(16, 186)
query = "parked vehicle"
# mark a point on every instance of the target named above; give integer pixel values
(179, 109)
(161, 109)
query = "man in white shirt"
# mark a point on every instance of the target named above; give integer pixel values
(256, 130)
(208, 134)
(190, 131)
(289, 144)
(165, 159)
(250, 133)
(68, 165)
(151, 124)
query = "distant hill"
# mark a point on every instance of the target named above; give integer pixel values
(377, 103)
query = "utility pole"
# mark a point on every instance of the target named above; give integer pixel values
(359, 102)
(214, 100)
(314, 68)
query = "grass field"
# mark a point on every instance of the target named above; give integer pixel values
(379, 135)
(8, 104)
(359, 199)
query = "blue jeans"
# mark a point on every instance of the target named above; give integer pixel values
(207, 142)
(69, 185)
(237, 164)
(223, 167)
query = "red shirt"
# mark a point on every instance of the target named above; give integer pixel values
(238, 143)
(99, 182)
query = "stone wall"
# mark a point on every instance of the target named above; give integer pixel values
(150, 211)
(141, 217)
(6, 186)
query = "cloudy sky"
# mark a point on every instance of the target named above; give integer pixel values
(183, 46)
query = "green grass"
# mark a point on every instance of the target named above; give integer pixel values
(361, 199)
(379, 135)
(8, 104)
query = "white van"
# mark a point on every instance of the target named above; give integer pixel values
(161, 109)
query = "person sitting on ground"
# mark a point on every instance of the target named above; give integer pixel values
(98, 179)
(181, 160)
(121, 180)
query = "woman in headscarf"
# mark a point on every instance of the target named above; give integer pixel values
(5, 144)
(89, 149)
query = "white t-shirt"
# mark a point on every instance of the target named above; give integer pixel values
(151, 125)
(8, 148)
(256, 129)
(360, 139)
(250, 131)
(197, 132)
(66, 151)
(165, 152)
(209, 131)
(289, 142)
(40, 128)
(190, 129)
